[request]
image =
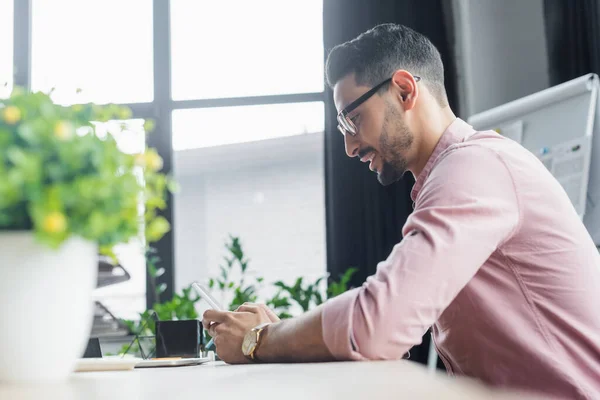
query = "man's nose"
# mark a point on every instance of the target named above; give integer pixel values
(352, 145)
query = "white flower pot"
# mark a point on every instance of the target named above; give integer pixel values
(46, 306)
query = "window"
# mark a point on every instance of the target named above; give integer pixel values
(236, 48)
(206, 127)
(270, 194)
(97, 51)
(230, 54)
(6, 47)
(103, 47)
(128, 298)
(255, 170)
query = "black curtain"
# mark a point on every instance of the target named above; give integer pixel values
(365, 219)
(572, 37)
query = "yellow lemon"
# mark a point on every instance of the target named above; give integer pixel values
(11, 115)
(55, 222)
(63, 130)
(153, 161)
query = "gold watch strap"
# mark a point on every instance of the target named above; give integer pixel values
(260, 330)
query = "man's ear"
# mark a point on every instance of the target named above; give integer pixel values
(406, 87)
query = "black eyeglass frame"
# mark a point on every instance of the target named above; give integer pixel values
(345, 124)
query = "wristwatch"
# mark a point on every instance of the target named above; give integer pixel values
(252, 341)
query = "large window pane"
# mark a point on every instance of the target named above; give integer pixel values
(103, 47)
(270, 194)
(233, 48)
(207, 127)
(127, 299)
(6, 47)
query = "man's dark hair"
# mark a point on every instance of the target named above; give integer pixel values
(376, 54)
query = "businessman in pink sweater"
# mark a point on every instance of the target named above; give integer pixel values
(494, 257)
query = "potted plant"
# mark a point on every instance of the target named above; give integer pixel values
(67, 194)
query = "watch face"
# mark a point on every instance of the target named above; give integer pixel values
(249, 343)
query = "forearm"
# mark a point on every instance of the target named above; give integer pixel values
(295, 340)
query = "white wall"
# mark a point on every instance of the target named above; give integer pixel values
(501, 48)
(269, 193)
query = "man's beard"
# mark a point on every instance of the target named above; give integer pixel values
(395, 138)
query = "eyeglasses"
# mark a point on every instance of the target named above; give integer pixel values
(345, 123)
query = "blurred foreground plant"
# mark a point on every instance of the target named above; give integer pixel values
(61, 177)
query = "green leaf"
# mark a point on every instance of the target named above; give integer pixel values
(279, 302)
(224, 272)
(157, 228)
(161, 288)
(151, 270)
(124, 113)
(6, 138)
(318, 298)
(173, 186)
(149, 125)
(337, 288)
(153, 259)
(27, 132)
(281, 285)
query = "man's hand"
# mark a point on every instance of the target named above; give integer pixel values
(297, 339)
(229, 328)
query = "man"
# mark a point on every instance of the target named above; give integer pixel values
(494, 256)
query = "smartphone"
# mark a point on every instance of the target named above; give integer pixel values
(173, 362)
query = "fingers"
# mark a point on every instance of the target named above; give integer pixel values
(219, 329)
(270, 313)
(257, 308)
(211, 316)
(216, 329)
(244, 305)
(212, 328)
(254, 306)
(254, 309)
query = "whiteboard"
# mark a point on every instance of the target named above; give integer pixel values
(561, 126)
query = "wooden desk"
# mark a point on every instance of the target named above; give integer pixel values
(217, 381)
